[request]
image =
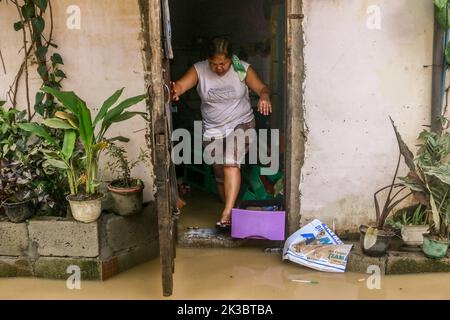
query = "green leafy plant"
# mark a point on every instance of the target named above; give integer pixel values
(416, 215)
(429, 177)
(76, 121)
(121, 166)
(32, 24)
(392, 199)
(15, 182)
(23, 171)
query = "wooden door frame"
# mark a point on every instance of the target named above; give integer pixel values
(294, 124)
(159, 134)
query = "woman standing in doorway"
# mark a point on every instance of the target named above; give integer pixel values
(222, 84)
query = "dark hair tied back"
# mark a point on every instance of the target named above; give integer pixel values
(220, 46)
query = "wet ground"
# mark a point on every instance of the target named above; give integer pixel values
(240, 273)
(237, 273)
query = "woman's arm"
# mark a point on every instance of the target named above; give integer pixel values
(186, 82)
(256, 84)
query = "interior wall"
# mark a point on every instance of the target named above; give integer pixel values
(244, 22)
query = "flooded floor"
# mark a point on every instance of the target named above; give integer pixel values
(238, 273)
(242, 273)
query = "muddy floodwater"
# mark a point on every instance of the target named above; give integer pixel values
(239, 273)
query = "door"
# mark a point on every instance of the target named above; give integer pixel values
(165, 179)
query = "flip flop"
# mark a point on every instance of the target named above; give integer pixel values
(222, 225)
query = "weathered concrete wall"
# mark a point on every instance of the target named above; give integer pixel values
(99, 58)
(46, 246)
(355, 78)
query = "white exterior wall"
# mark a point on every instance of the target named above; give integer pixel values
(355, 79)
(99, 58)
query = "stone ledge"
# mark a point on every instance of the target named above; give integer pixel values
(358, 262)
(13, 238)
(126, 232)
(64, 238)
(137, 255)
(414, 262)
(56, 268)
(15, 267)
(396, 262)
(46, 246)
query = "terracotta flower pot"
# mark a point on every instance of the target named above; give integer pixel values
(126, 201)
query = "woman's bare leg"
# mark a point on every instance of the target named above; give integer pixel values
(221, 191)
(232, 184)
(218, 173)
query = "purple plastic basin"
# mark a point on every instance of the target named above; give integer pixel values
(251, 224)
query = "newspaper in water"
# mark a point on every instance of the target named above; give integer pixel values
(317, 247)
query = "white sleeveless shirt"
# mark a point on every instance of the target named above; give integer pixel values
(225, 100)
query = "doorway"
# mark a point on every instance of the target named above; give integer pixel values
(257, 29)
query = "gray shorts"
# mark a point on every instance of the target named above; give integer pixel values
(229, 151)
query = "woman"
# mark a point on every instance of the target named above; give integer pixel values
(222, 84)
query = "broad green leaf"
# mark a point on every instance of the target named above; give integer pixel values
(443, 17)
(448, 211)
(413, 184)
(442, 172)
(56, 123)
(67, 116)
(70, 137)
(28, 11)
(106, 105)
(42, 4)
(127, 115)
(56, 59)
(124, 105)
(435, 212)
(18, 25)
(118, 138)
(60, 74)
(42, 70)
(57, 163)
(38, 24)
(447, 53)
(404, 150)
(85, 126)
(51, 154)
(39, 97)
(370, 238)
(440, 3)
(68, 99)
(38, 130)
(41, 52)
(107, 121)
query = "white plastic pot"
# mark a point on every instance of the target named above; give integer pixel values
(86, 210)
(413, 235)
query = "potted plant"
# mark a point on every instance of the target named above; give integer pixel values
(429, 179)
(412, 223)
(76, 121)
(126, 191)
(375, 240)
(15, 187)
